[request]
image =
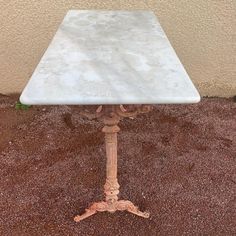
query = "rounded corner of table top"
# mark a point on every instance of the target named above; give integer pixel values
(25, 100)
(195, 99)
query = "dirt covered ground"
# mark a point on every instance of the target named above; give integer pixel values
(178, 162)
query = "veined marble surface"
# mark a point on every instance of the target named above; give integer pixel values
(110, 57)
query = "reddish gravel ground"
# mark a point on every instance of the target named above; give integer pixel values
(178, 162)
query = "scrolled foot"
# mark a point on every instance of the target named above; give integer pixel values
(93, 209)
(137, 212)
(88, 212)
(124, 205)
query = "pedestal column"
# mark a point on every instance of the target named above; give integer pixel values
(111, 187)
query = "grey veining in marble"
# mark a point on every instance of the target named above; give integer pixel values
(110, 57)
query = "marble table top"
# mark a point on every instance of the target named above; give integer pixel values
(109, 57)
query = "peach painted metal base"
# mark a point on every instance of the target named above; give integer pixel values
(111, 116)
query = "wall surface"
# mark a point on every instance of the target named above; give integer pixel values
(203, 33)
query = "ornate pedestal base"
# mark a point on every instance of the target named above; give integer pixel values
(120, 205)
(111, 116)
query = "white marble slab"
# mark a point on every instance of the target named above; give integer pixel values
(110, 57)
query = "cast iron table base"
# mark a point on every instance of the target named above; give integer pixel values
(111, 115)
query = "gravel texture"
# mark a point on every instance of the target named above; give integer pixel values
(178, 162)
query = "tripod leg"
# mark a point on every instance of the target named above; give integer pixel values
(93, 209)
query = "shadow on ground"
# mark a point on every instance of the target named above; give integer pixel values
(178, 162)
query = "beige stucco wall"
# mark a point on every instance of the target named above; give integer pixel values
(203, 32)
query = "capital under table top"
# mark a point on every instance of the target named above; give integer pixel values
(110, 58)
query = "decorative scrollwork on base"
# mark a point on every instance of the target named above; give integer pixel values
(118, 111)
(111, 115)
(121, 205)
